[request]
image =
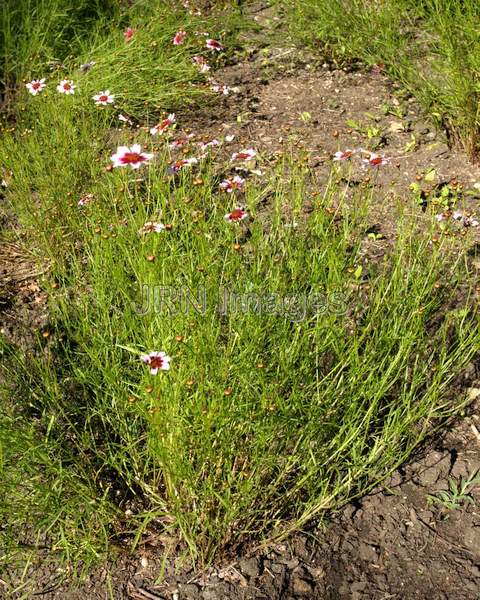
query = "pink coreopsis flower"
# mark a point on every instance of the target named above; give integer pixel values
(125, 119)
(441, 217)
(156, 361)
(133, 157)
(179, 37)
(86, 199)
(201, 63)
(163, 125)
(244, 154)
(182, 141)
(104, 98)
(345, 155)
(206, 145)
(35, 86)
(66, 86)
(232, 183)
(466, 220)
(213, 45)
(237, 215)
(470, 222)
(221, 89)
(87, 66)
(375, 160)
(151, 227)
(183, 162)
(129, 33)
(378, 68)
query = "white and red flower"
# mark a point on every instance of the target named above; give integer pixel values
(204, 146)
(156, 361)
(129, 33)
(221, 89)
(182, 141)
(87, 66)
(378, 68)
(213, 45)
(470, 222)
(66, 86)
(151, 227)
(201, 63)
(244, 154)
(104, 98)
(130, 156)
(125, 119)
(86, 199)
(466, 220)
(236, 216)
(179, 37)
(343, 155)
(35, 86)
(232, 183)
(183, 162)
(163, 125)
(375, 160)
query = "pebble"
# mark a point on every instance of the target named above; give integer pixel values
(249, 567)
(302, 587)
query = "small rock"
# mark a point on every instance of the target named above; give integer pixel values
(472, 393)
(189, 591)
(249, 567)
(301, 587)
(291, 563)
(316, 572)
(367, 552)
(358, 586)
(277, 568)
(300, 547)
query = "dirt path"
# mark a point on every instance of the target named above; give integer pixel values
(392, 544)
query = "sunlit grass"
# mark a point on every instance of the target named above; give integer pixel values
(317, 379)
(431, 47)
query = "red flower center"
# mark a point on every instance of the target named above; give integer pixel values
(376, 161)
(36, 85)
(103, 98)
(67, 86)
(243, 155)
(131, 157)
(236, 214)
(156, 362)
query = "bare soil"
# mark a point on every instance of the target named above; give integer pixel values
(392, 543)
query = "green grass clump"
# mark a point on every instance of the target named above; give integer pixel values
(431, 47)
(36, 32)
(320, 376)
(271, 413)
